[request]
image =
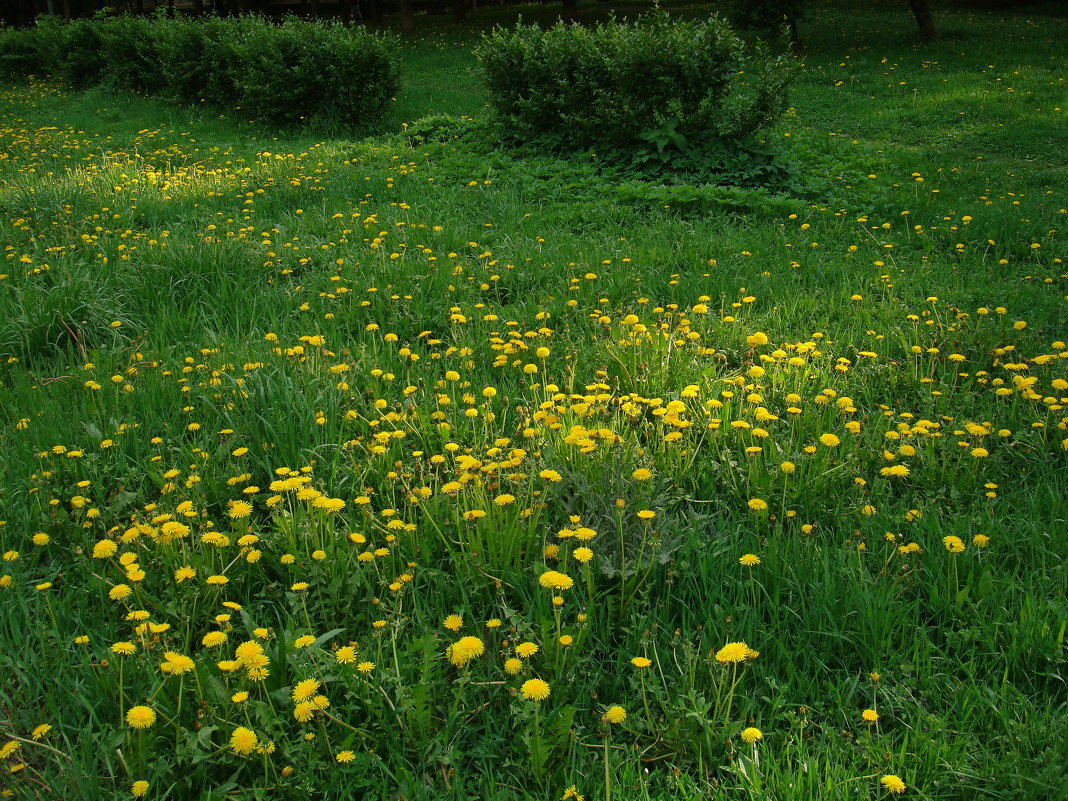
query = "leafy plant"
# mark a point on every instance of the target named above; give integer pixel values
(574, 87)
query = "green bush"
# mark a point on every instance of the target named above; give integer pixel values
(303, 69)
(296, 70)
(571, 86)
(130, 47)
(81, 62)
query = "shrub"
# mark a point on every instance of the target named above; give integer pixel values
(131, 49)
(31, 51)
(303, 69)
(202, 57)
(571, 86)
(81, 62)
(283, 73)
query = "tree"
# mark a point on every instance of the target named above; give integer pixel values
(407, 17)
(921, 10)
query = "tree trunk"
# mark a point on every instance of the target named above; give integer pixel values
(459, 10)
(795, 36)
(407, 18)
(921, 10)
(570, 11)
(198, 7)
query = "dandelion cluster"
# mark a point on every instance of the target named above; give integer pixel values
(414, 479)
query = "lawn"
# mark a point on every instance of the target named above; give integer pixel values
(415, 466)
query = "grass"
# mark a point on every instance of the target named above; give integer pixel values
(346, 334)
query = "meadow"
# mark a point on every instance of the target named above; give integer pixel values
(412, 465)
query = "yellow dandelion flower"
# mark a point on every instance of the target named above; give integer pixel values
(243, 741)
(552, 579)
(535, 690)
(140, 717)
(512, 666)
(751, 734)
(733, 652)
(892, 783)
(345, 655)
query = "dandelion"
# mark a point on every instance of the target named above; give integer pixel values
(733, 652)
(752, 734)
(239, 509)
(104, 549)
(646, 514)
(830, 440)
(140, 717)
(758, 505)
(869, 715)
(526, 649)
(453, 622)
(642, 474)
(582, 555)
(749, 560)
(305, 689)
(535, 690)
(551, 579)
(464, 650)
(614, 715)
(513, 666)
(953, 544)
(345, 756)
(243, 741)
(641, 662)
(40, 731)
(892, 783)
(176, 664)
(365, 667)
(345, 655)
(139, 788)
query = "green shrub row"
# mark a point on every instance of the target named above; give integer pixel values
(286, 72)
(603, 86)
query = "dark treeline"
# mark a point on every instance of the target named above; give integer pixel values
(20, 13)
(771, 13)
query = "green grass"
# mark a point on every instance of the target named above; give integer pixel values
(162, 265)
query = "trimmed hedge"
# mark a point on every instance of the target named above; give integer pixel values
(293, 71)
(572, 86)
